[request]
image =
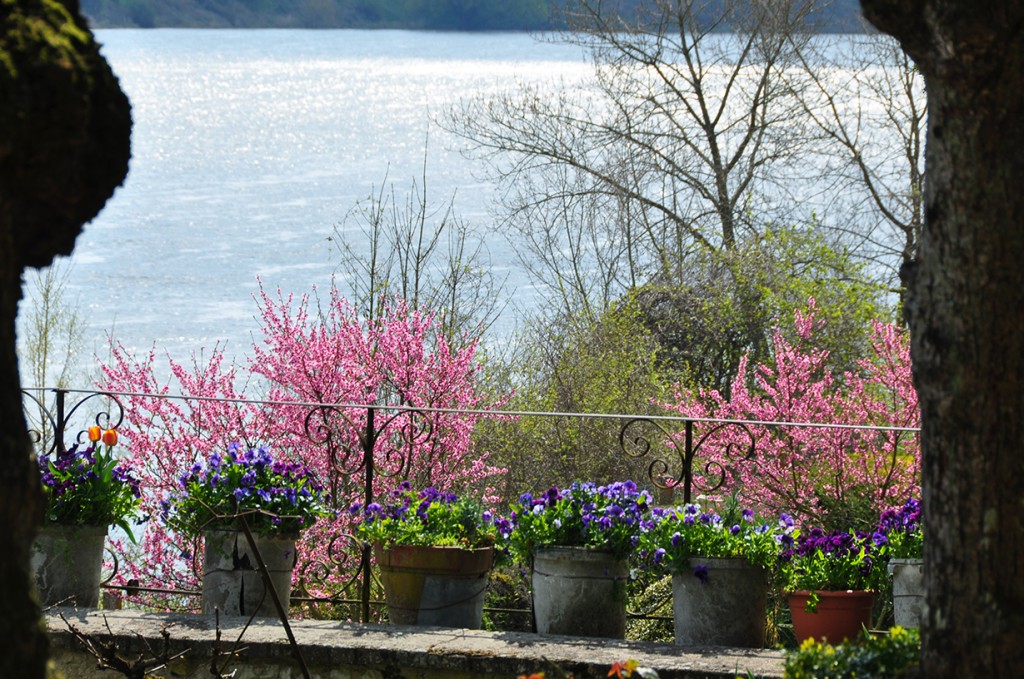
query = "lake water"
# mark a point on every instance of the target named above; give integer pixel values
(250, 146)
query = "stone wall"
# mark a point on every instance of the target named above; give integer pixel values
(339, 650)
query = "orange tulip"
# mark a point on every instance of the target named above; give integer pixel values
(110, 437)
(94, 433)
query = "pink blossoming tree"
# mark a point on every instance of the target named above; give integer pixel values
(398, 362)
(842, 474)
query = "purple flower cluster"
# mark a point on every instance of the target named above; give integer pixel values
(681, 534)
(837, 560)
(88, 487)
(278, 495)
(903, 530)
(585, 514)
(840, 544)
(905, 519)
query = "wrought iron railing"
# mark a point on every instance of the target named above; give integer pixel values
(349, 434)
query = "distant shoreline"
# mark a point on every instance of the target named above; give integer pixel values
(511, 16)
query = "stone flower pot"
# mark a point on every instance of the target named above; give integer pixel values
(579, 591)
(725, 605)
(231, 578)
(66, 563)
(907, 591)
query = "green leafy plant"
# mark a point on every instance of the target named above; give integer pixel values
(682, 533)
(89, 487)
(428, 517)
(584, 515)
(893, 655)
(276, 497)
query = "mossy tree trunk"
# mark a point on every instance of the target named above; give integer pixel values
(64, 148)
(965, 307)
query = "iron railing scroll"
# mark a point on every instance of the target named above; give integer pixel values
(636, 441)
(53, 424)
(351, 446)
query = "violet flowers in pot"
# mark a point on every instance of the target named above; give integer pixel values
(833, 578)
(904, 533)
(577, 541)
(720, 571)
(86, 492)
(275, 499)
(434, 551)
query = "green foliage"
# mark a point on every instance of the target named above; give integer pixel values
(893, 655)
(427, 518)
(650, 595)
(606, 365)
(507, 603)
(685, 532)
(725, 305)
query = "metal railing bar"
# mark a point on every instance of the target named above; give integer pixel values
(493, 413)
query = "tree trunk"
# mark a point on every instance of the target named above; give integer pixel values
(965, 308)
(22, 638)
(64, 148)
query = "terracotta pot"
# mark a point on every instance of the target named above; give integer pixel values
(440, 586)
(838, 615)
(579, 591)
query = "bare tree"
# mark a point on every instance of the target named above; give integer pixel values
(426, 255)
(51, 328)
(678, 143)
(866, 97)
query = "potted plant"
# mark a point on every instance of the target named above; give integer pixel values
(434, 551)
(904, 533)
(86, 491)
(576, 541)
(275, 499)
(720, 571)
(833, 578)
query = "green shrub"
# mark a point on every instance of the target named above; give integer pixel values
(650, 594)
(893, 655)
(507, 603)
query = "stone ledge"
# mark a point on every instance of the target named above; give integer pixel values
(340, 650)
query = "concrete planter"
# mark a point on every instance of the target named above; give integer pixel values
(231, 578)
(725, 608)
(579, 591)
(907, 591)
(441, 586)
(66, 563)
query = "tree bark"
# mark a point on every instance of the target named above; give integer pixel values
(64, 147)
(965, 308)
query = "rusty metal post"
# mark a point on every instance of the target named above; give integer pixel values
(60, 424)
(369, 440)
(688, 463)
